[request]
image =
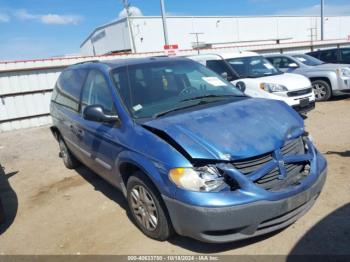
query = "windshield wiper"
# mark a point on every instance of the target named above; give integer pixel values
(208, 96)
(178, 109)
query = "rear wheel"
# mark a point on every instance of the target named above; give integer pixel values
(68, 159)
(322, 89)
(147, 208)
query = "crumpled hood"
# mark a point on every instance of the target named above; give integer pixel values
(238, 130)
(291, 81)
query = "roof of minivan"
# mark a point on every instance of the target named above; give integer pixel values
(238, 54)
(134, 61)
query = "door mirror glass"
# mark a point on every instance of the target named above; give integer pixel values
(293, 65)
(224, 75)
(95, 113)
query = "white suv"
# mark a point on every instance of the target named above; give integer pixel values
(259, 78)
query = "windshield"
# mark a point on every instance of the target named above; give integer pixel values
(150, 89)
(253, 67)
(308, 60)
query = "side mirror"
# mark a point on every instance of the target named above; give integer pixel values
(292, 65)
(95, 113)
(241, 86)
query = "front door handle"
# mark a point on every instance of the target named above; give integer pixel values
(80, 133)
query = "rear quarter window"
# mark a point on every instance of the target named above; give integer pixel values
(68, 88)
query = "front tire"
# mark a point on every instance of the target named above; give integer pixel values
(147, 208)
(68, 159)
(322, 89)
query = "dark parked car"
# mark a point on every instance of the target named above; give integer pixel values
(334, 56)
(188, 150)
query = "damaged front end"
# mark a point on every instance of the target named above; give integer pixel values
(233, 200)
(281, 170)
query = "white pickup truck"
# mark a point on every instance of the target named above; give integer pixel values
(259, 78)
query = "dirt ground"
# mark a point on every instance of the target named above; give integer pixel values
(52, 210)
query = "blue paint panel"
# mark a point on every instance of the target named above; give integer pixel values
(238, 130)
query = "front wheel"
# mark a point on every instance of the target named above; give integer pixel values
(147, 208)
(68, 159)
(322, 89)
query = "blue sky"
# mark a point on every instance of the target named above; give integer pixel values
(44, 28)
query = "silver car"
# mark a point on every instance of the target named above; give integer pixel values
(327, 79)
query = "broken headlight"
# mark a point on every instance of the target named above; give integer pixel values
(203, 179)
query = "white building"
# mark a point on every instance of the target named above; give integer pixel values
(215, 31)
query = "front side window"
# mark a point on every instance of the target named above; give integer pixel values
(151, 88)
(220, 67)
(253, 67)
(96, 92)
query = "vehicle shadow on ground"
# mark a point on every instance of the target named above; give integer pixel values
(102, 186)
(8, 200)
(330, 236)
(343, 154)
(340, 97)
(209, 248)
(105, 188)
(187, 243)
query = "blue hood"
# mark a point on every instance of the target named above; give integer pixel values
(237, 130)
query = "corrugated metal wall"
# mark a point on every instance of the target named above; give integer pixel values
(26, 86)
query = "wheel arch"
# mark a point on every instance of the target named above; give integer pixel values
(55, 132)
(129, 162)
(322, 78)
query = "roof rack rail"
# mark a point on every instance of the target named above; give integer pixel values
(89, 61)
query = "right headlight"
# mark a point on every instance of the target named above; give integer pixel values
(203, 179)
(343, 72)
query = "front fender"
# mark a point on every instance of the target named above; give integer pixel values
(156, 171)
(331, 76)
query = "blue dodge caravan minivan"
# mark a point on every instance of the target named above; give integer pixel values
(190, 152)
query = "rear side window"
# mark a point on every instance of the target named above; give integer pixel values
(68, 88)
(345, 55)
(329, 56)
(281, 62)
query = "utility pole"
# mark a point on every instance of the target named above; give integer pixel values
(322, 20)
(127, 9)
(197, 39)
(312, 35)
(165, 28)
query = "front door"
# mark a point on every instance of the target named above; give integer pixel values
(100, 140)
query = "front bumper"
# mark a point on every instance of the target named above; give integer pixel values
(225, 224)
(305, 108)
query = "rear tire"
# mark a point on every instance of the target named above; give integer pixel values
(322, 89)
(68, 159)
(147, 208)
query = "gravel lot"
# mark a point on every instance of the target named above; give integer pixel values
(52, 210)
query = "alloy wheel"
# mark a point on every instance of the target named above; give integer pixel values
(144, 208)
(320, 91)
